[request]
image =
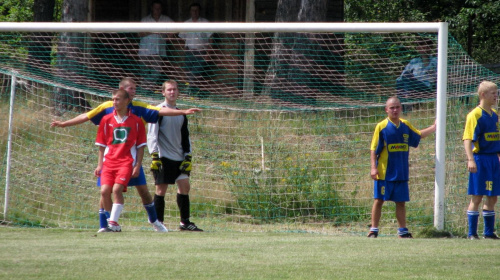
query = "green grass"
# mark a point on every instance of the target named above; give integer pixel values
(28, 253)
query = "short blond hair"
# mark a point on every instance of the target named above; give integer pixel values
(485, 86)
(126, 81)
(171, 82)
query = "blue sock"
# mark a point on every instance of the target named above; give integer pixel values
(103, 222)
(489, 222)
(402, 230)
(473, 217)
(150, 208)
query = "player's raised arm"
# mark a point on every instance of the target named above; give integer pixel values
(74, 121)
(165, 111)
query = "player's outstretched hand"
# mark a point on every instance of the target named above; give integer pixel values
(55, 123)
(192, 111)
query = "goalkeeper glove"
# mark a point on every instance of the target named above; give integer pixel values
(186, 164)
(155, 162)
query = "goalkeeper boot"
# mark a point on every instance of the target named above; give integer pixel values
(159, 226)
(114, 226)
(189, 227)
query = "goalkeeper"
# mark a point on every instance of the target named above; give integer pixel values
(170, 148)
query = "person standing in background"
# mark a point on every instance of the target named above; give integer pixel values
(196, 46)
(152, 48)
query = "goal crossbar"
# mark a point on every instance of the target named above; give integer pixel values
(218, 27)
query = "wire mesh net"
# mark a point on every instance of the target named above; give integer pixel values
(282, 141)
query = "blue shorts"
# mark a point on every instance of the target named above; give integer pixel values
(396, 191)
(137, 181)
(486, 181)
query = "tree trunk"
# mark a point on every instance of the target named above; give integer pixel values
(70, 51)
(288, 48)
(40, 43)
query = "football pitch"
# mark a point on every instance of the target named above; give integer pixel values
(28, 253)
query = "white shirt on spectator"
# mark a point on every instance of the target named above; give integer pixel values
(197, 40)
(154, 44)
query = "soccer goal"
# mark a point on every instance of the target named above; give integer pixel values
(282, 142)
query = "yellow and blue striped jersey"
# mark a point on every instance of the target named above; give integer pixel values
(141, 109)
(483, 129)
(391, 144)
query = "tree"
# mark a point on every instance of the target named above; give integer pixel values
(41, 44)
(69, 54)
(287, 50)
(475, 24)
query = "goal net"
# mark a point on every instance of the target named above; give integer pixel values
(282, 142)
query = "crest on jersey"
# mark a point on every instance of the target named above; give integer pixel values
(120, 135)
(406, 137)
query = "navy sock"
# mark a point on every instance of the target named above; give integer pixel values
(489, 222)
(473, 217)
(150, 208)
(103, 222)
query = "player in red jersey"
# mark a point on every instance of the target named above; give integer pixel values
(121, 138)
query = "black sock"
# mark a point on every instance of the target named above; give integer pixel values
(183, 204)
(160, 207)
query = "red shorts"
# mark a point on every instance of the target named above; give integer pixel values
(110, 176)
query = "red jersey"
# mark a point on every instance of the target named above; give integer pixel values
(121, 139)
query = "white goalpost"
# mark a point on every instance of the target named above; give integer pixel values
(298, 123)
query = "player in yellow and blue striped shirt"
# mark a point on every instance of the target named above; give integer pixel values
(389, 153)
(482, 147)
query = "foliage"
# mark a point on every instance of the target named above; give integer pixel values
(382, 11)
(22, 10)
(432, 232)
(472, 22)
(16, 10)
(478, 24)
